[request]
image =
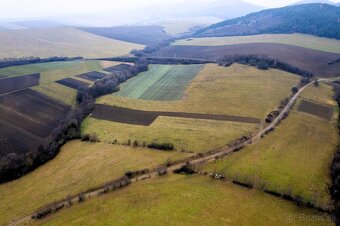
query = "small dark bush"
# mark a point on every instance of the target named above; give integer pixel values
(161, 146)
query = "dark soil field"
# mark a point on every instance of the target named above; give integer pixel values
(14, 139)
(73, 83)
(122, 67)
(145, 35)
(322, 111)
(314, 61)
(92, 76)
(146, 118)
(26, 118)
(17, 83)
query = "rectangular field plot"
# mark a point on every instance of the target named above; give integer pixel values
(35, 106)
(322, 111)
(73, 83)
(146, 118)
(92, 76)
(58, 92)
(160, 82)
(26, 118)
(14, 139)
(12, 84)
(124, 66)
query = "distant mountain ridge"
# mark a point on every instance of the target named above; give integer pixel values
(27, 24)
(193, 8)
(315, 19)
(313, 2)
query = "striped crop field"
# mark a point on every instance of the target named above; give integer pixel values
(160, 82)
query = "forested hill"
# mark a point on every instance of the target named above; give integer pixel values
(316, 19)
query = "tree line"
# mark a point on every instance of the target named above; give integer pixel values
(263, 63)
(69, 128)
(152, 48)
(8, 62)
(335, 168)
(160, 60)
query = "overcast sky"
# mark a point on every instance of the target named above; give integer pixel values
(47, 8)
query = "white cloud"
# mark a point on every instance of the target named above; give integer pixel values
(23, 9)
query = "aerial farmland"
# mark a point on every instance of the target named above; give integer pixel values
(200, 115)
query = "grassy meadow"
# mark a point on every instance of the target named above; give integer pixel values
(302, 40)
(60, 42)
(78, 167)
(160, 82)
(322, 94)
(185, 200)
(37, 68)
(236, 90)
(59, 92)
(186, 134)
(294, 159)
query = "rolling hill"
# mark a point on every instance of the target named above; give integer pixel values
(313, 1)
(316, 19)
(60, 42)
(144, 35)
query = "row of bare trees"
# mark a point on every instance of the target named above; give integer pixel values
(263, 63)
(7, 62)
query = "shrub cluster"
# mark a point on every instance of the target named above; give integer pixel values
(152, 48)
(14, 165)
(7, 62)
(185, 169)
(263, 63)
(132, 174)
(161, 146)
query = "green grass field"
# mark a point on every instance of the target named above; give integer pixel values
(37, 68)
(186, 134)
(60, 42)
(294, 159)
(78, 167)
(186, 200)
(160, 82)
(306, 41)
(235, 90)
(322, 94)
(59, 92)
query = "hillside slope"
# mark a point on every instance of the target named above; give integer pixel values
(316, 19)
(144, 35)
(60, 42)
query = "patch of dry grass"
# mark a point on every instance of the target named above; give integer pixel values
(78, 167)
